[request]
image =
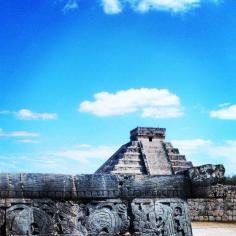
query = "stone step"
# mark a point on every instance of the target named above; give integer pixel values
(157, 158)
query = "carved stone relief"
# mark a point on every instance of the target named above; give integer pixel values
(206, 174)
(28, 220)
(107, 218)
(161, 218)
(48, 218)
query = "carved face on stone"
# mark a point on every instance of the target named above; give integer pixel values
(107, 220)
(29, 221)
(178, 211)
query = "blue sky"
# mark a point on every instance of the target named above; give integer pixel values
(77, 76)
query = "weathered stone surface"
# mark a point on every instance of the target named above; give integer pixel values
(161, 217)
(155, 186)
(81, 187)
(28, 185)
(206, 175)
(147, 153)
(95, 205)
(46, 217)
(96, 186)
(219, 206)
(28, 220)
(99, 204)
(203, 178)
(109, 218)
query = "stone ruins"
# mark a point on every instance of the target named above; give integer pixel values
(147, 153)
(142, 190)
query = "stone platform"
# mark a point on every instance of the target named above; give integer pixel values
(83, 205)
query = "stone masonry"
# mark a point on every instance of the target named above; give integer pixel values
(220, 208)
(148, 153)
(108, 205)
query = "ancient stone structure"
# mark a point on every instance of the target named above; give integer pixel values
(148, 204)
(219, 206)
(44, 204)
(147, 153)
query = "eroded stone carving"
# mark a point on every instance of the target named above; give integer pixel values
(107, 218)
(48, 218)
(206, 174)
(162, 218)
(28, 220)
(67, 218)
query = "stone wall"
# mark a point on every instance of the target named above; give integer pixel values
(109, 217)
(105, 205)
(92, 205)
(221, 207)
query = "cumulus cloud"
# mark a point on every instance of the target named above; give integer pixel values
(116, 6)
(17, 134)
(202, 151)
(153, 103)
(26, 114)
(226, 112)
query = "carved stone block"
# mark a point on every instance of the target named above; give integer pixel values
(44, 217)
(49, 218)
(107, 218)
(28, 220)
(167, 217)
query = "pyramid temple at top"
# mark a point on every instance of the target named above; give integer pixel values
(147, 153)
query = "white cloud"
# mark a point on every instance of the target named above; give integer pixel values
(85, 153)
(164, 112)
(26, 114)
(224, 104)
(169, 5)
(202, 151)
(17, 134)
(189, 146)
(116, 6)
(79, 159)
(225, 113)
(112, 6)
(70, 6)
(27, 141)
(154, 103)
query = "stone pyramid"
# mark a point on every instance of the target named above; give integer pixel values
(147, 153)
